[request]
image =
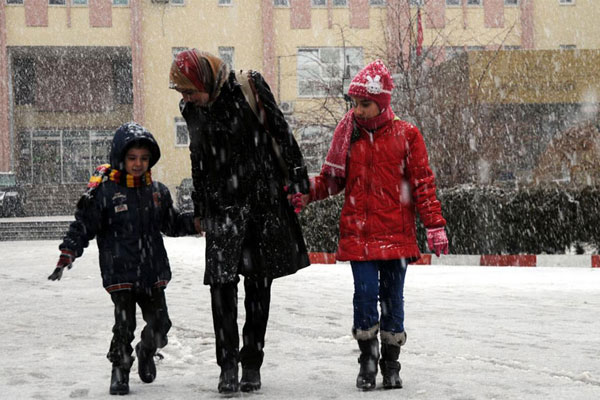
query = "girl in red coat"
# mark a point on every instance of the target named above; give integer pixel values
(381, 164)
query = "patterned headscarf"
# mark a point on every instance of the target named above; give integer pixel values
(198, 70)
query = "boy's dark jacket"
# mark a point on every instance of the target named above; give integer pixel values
(127, 223)
(239, 184)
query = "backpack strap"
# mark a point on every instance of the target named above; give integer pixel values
(248, 90)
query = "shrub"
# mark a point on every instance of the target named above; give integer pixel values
(488, 220)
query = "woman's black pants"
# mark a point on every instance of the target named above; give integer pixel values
(224, 300)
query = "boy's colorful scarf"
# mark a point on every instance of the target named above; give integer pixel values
(105, 172)
(335, 162)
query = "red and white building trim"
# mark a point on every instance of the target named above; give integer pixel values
(492, 260)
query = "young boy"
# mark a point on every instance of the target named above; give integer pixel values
(126, 212)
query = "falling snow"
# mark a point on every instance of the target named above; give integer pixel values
(473, 333)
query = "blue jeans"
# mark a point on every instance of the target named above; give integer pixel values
(383, 279)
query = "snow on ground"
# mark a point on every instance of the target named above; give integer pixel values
(473, 332)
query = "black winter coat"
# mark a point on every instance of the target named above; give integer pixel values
(127, 223)
(239, 186)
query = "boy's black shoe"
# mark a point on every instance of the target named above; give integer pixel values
(119, 381)
(250, 380)
(228, 381)
(146, 366)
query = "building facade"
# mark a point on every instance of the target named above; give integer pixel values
(74, 70)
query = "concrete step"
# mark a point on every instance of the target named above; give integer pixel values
(32, 228)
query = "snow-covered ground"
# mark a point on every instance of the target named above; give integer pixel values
(473, 332)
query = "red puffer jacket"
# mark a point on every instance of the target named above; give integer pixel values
(387, 178)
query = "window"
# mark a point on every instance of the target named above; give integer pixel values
(340, 3)
(417, 3)
(63, 156)
(281, 3)
(122, 78)
(121, 2)
(226, 54)
(511, 2)
(177, 2)
(566, 1)
(57, 2)
(453, 2)
(182, 137)
(473, 2)
(79, 2)
(319, 3)
(24, 80)
(377, 2)
(567, 46)
(14, 1)
(225, 2)
(512, 47)
(327, 71)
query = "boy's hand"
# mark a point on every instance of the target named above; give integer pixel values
(198, 226)
(64, 261)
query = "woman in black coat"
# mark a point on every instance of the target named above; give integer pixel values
(241, 183)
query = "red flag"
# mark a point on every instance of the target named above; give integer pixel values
(419, 33)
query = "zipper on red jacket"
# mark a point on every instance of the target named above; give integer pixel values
(371, 142)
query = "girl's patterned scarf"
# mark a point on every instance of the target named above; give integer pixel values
(335, 162)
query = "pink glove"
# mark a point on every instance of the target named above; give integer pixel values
(437, 241)
(297, 202)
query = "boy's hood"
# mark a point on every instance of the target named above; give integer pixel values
(125, 136)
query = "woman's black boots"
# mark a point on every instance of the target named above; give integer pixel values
(228, 380)
(250, 380)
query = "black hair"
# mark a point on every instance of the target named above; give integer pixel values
(139, 144)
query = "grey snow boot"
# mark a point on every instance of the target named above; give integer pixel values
(390, 351)
(369, 355)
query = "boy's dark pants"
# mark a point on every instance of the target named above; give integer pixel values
(224, 299)
(155, 313)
